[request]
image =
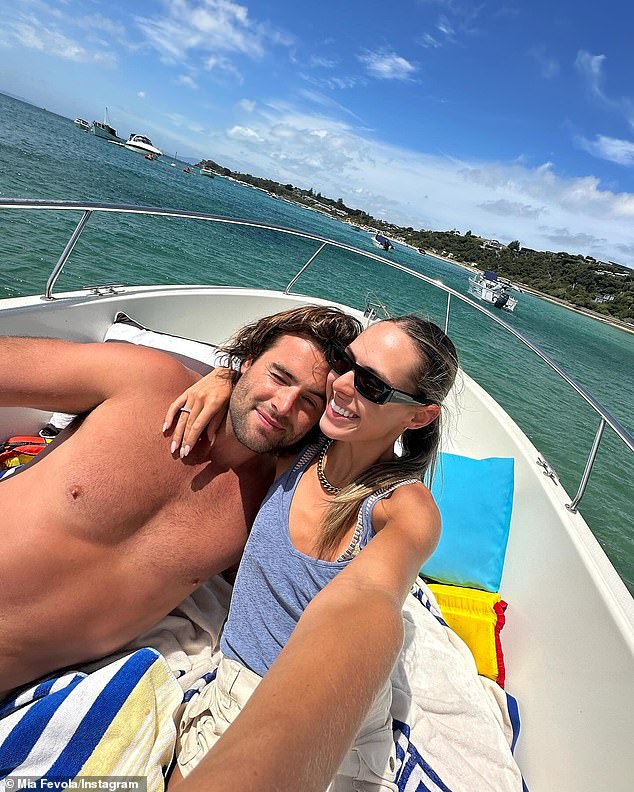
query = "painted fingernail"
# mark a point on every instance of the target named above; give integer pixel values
(187, 450)
(165, 425)
(173, 446)
(212, 440)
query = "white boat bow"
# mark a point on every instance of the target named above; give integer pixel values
(143, 144)
(569, 636)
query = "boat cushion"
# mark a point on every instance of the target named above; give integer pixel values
(196, 355)
(477, 617)
(475, 498)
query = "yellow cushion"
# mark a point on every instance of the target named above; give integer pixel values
(477, 617)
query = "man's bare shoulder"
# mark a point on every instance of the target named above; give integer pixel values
(144, 367)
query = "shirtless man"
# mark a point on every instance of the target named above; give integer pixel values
(105, 535)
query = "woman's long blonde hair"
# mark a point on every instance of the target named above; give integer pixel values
(434, 376)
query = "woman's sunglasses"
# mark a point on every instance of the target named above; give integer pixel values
(368, 384)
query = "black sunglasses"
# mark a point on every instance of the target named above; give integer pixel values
(366, 382)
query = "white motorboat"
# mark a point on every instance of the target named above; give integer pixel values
(493, 290)
(381, 241)
(82, 124)
(569, 636)
(142, 144)
(207, 172)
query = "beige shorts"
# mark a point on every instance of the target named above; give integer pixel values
(369, 766)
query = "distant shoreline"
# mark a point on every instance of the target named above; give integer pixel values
(611, 321)
(585, 311)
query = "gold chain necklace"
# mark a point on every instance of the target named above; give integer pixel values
(323, 480)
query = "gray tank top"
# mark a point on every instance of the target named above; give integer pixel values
(275, 581)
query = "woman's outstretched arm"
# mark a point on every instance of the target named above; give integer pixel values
(303, 717)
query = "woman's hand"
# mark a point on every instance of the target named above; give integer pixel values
(201, 407)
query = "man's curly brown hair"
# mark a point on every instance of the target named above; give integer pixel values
(316, 323)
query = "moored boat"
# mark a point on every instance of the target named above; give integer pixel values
(381, 241)
(493, 290)
(142, 144)
(205, 171)
(82, 124)
(104, 130)
(569, 635)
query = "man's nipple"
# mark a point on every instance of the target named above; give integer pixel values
(76, 491)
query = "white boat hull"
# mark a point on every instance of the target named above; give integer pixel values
(143, 149)
(493, 294)
(569, 635)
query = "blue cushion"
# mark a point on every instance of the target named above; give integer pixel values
(475, 498)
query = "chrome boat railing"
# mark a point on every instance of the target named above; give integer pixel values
(605, 418)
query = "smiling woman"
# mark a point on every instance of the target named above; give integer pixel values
(346, 504)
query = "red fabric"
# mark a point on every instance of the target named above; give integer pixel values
(499, 608)
(21, 444)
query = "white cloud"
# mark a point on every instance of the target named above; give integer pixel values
(248, 105)
(566, 240)
(61, 30)
(498, 199)
(324, 63)
(387, 65)
(456, 21)
(334, 82)
(141, 94)
(187, 80)
(445, 27)
(608, 148)
(512, 208)
(204, 28)
(244, 133)
(182, 122)
(548, 65)
(428, 41)
(30, 32)
(325, 101)
(221, 64)
(102, 23)
(591, 67)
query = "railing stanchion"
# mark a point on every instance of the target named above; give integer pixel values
(304, 268)
(572, 506)
(57, 271)
(447, 314)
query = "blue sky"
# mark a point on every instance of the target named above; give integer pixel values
(512, 119)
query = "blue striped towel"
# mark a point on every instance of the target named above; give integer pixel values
(117, 721)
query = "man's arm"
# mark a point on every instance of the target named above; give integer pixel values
(301, 720)
(51, 374)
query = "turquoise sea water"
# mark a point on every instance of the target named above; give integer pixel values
(43, 155)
